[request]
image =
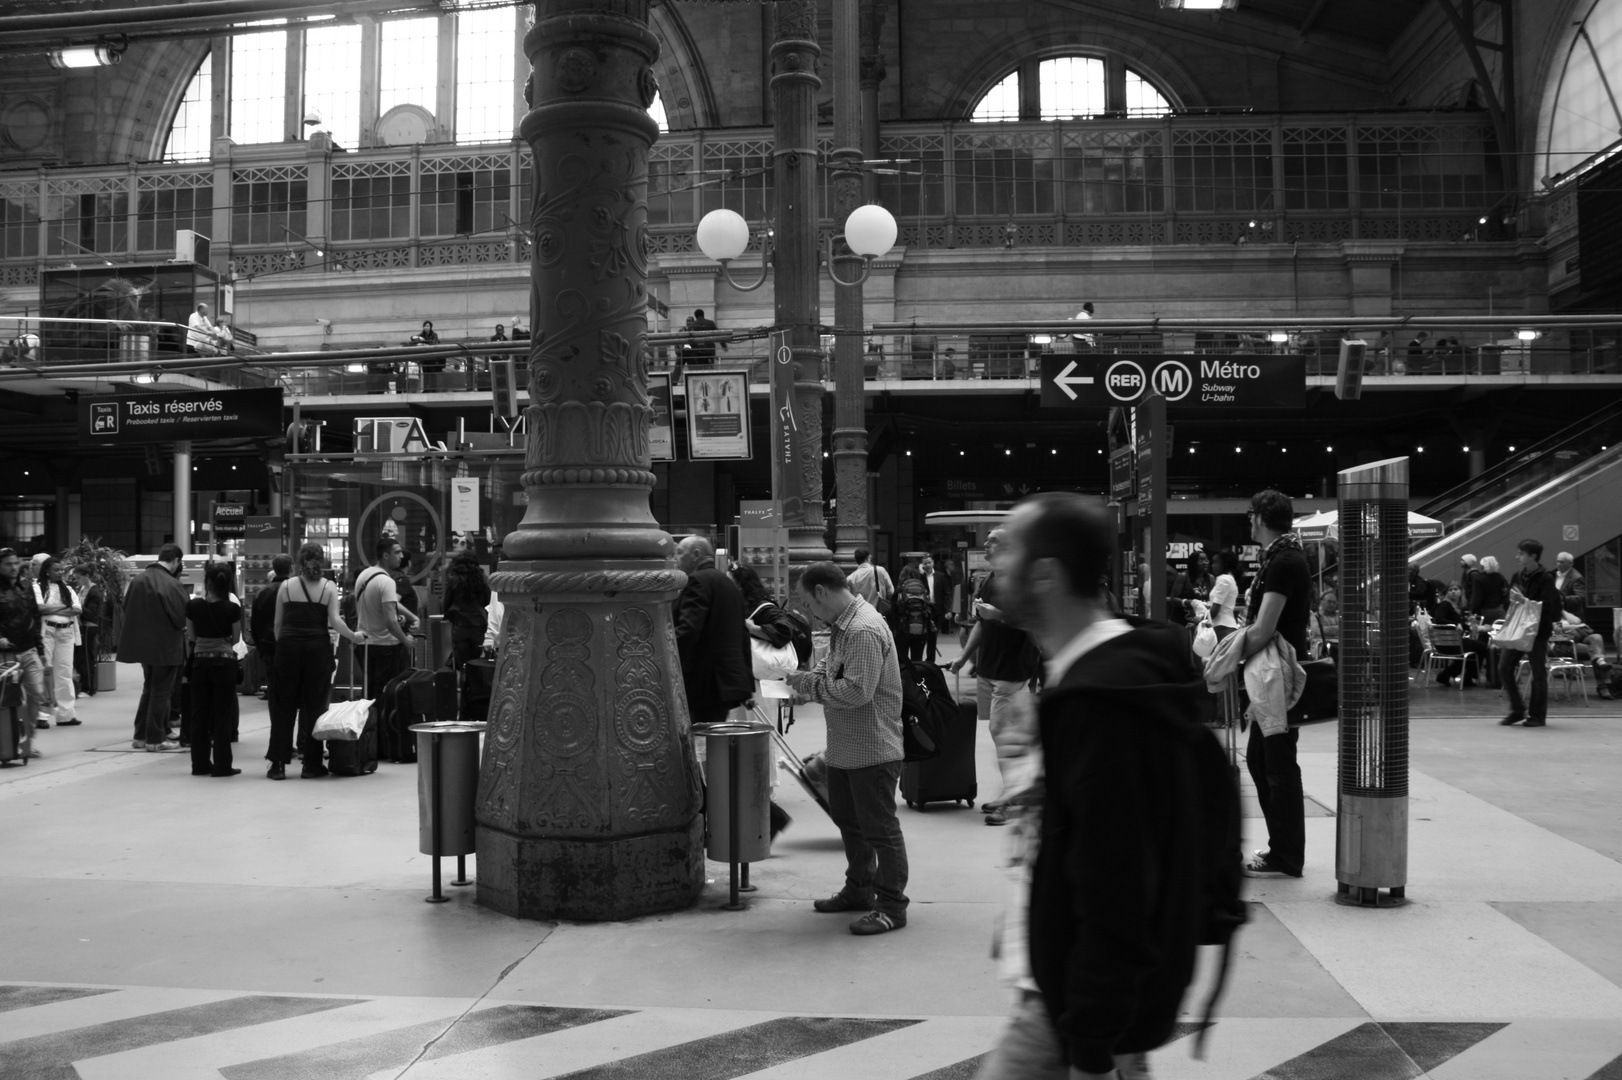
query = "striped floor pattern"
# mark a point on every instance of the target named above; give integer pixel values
(105, 1033)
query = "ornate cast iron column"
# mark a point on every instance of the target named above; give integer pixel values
(795, 268)
(588, 793)
(850, 410)
(872, 73)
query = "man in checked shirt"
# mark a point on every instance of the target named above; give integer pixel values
(859, 687)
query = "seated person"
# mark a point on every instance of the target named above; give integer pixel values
(1450, 612)
(1586, 644)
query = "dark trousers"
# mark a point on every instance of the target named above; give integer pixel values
(152, 714)
(1538, 660)
(211, 714)
(381, 663)
(267, 663)
(1277, 776)
(920, 646)
(463, 651)
(84, 659)
(300, 688)
(862, 804)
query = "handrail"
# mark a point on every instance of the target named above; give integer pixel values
(1534, 457)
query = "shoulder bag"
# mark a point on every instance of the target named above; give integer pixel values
(771, 661)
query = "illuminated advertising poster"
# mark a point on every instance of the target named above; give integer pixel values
(717, 415)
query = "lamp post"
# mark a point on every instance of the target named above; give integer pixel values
(870, 231)
(588, 799)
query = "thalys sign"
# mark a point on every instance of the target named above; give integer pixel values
(1240, 381)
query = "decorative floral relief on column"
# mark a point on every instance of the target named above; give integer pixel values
(498, 781)
(641, 721)
(565, 726)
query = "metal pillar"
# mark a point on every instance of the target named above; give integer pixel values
(1371, 822)
(181, 523)
(872, 74)
(589, 794)
(850, 408)
(795, 268)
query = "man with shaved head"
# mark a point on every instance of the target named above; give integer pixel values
(710, 636)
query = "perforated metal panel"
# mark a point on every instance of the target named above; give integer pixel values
(1374, 630)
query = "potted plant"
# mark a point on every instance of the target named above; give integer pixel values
(108, 569)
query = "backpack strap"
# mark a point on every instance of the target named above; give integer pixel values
(755, 612)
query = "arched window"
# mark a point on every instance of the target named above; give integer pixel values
(259, 87)
(657, 111)
(1585, 116)
(189, 135)
(1070, 86)
(332, 82)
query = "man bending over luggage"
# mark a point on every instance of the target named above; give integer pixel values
(859, 686)
(1115, 893)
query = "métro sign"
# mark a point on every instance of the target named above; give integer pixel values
(1239, 381)
(208, 414)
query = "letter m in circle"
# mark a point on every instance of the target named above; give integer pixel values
(1172, 380)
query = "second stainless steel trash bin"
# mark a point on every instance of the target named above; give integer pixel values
(447, 780)
(754, 790)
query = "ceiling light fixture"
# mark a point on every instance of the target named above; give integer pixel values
(86, 56)
(1200, 5)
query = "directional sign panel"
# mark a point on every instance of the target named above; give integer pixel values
(1233, 381)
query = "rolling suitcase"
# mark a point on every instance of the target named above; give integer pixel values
(395, 715)
(357, 758)
(949, 776)
(13, 738)
(478, 682)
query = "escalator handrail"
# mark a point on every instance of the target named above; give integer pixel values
(1422, 549)
(1523, 460)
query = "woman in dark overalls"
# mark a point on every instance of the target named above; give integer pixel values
(213, 625)
(306, 610)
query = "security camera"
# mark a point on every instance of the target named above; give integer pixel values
(324, 322)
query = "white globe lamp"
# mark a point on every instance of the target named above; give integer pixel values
(870, 231)
(723, 235)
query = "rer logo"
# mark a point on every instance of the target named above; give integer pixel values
(1172, 380)
(1124, 380)
(104, 417)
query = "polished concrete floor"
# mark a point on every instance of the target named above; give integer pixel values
(165, 926)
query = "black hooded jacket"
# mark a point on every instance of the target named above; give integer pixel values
(1115, 895)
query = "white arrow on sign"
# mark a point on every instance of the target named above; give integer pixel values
(1064, 380)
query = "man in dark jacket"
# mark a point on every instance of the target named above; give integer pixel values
(1115, 892)
(154, 636)
(1531, 582)
(262, 617)
(710, 636)
(20, 642)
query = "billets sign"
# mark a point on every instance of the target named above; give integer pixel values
(154, 418)
(1236, 381)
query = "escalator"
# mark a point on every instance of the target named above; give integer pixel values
(1572, 478)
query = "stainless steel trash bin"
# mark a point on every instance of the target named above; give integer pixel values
(447, 780)
(754, 790)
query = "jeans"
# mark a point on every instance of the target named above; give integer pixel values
(1030, 1050)
(1537, 709)
(1007, 707)
(862, 804)
(152, 714)
(301, 687)
(57, 650)
(1273, 768)
(211, 714)
(32, 671)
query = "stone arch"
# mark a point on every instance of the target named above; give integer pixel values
(684, 84)
(1548, 74)
(1003, 56)
(149, 93)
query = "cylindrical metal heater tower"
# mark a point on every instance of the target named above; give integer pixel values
(1371, 835)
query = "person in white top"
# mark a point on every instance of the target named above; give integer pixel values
(202, 336)
(1224, 592)
(59, 612)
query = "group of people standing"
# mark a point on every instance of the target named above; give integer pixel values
(49, 622)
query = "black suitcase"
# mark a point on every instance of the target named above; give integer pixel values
(949, 777)
(357, 758)
(478, 682)
(13, 738)
(395, 740)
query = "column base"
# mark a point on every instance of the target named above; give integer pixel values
(591, 880)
